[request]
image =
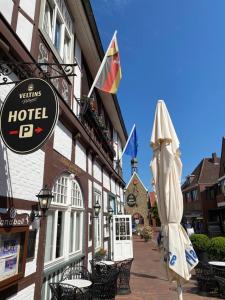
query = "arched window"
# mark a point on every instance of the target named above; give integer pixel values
(64, 234)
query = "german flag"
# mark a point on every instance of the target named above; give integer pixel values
(110, 75)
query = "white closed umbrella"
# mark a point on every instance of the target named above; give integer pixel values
(166, 167)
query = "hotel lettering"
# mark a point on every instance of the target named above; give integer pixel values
(28, 116)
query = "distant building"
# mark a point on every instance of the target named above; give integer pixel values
(195, 189)
(217, 215)
(136, 198)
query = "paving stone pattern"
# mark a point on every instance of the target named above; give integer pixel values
(148, 277)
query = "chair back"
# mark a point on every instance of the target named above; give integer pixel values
(77, 272)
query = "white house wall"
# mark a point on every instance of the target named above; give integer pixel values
(90, 164)
(24, 29)
(63, 140)
(89, 193)
(97, 172)
(105, 201)
(25, 294)
(6, 8)
(113, 186)
(80, 156)
(77, 79)
(106, 180)
(28, 6)
(23, 174)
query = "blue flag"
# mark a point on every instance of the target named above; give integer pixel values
(132, 144)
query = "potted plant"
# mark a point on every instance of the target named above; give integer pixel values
(216, 248)
(100, 254)
(200, 244)
(147, 233)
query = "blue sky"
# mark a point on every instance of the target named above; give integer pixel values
(172, 50)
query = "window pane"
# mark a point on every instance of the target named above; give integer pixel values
(78, 227)
(57, 34)
(49, 236)
(48, 17)
(59, 235)
(71, 232)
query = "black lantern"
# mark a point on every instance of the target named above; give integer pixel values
(44, 201)
(110, 212)
(97, 208)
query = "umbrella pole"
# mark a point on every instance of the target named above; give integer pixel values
(179, 291)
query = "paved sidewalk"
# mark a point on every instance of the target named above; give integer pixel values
(148, 279)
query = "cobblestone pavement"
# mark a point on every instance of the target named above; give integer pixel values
(148, 278)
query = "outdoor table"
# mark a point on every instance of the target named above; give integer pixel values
(106, 262)
(217, 263)
(80, 283)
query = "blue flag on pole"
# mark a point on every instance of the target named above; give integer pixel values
(132, 144)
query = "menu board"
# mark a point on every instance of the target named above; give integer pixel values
(10, 245)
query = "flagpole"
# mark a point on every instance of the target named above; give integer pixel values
(127, 141)
(101, 66)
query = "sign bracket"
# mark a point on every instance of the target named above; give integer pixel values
(24, 70)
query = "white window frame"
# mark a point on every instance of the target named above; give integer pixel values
(68, 208)
(64, 30)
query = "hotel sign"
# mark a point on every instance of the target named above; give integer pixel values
(28, 115)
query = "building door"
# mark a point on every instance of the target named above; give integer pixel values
(122, 237)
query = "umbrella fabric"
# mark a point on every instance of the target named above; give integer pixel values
(166, 167)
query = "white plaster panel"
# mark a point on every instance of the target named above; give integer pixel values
(28, 6)
(24, 29)
(106, 245)
(97, 187)
(32, 265)
(80, 156)
(63, 140)
(97, 172)
(121, 195)
(25, 294)
(90, 164)
(6, 8)
(5, 89)
(89, 258)
(117, 189)
(77, 78)
(89, 193)
(105, 201)
(106, 180)
(21, 175)
(113, 186)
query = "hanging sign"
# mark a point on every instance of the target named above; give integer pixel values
(131, 200)
(28, 115)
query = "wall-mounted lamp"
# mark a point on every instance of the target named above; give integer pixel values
(110, 213)
(97, 208)
(44, 201)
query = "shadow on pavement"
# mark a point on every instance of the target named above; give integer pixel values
(147, 276)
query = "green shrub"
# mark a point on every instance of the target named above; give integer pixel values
(199, 242)
(216, 248)
(147, 233)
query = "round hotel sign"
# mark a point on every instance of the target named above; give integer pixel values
(28, 115)
(131, 200)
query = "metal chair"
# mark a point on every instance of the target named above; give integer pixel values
(106, 287)
(123, 281)
(77, 272)
(62, 291)
(99, 270)
(221, 283)
(205, 278)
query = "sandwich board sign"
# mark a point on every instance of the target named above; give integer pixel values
(28, 115)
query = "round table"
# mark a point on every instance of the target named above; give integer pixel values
(106, 262)
(80, 283)
(217, 263)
